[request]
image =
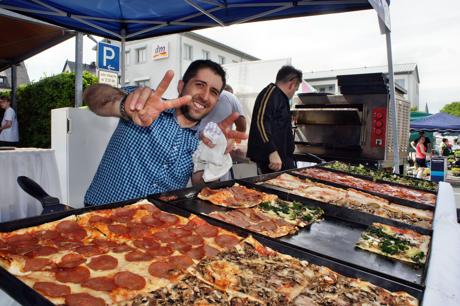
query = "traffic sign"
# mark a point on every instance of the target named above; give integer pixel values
(108, 57)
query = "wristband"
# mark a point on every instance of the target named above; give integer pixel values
(123, 112)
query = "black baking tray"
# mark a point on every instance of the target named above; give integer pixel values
(312, 257)
(27, 296)
(365, 177)
(404, 202)
(333, 238)
(331, 209)
(18, 290)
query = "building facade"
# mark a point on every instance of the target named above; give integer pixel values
(406, 76)
(147, 60)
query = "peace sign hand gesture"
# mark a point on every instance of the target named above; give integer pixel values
(145, 105)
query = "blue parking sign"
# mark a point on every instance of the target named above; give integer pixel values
(108, 57)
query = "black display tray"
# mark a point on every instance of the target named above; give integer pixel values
(333, 210)
(365, 177)
(392, 199)
(25, 295)
(303, 254)
(333, 238)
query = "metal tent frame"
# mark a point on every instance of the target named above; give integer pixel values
(126, 20)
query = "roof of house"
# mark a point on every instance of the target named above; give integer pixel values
(330, 74)
(86, 67)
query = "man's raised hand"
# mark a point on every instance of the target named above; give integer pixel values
(226, 128)
(145, 105)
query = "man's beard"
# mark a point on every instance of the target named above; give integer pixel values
(185, 110)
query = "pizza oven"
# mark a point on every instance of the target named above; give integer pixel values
(351, 127)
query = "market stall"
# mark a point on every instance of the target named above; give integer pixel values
(160, 253)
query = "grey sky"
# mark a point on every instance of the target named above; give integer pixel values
(423, 32)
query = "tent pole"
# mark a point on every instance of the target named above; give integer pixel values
(14, 87)
(78, 69)
(393, 108)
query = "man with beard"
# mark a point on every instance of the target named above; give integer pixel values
(151, 149)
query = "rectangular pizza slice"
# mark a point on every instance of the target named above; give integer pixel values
(257, 220)
(236, 196)
(401, 244)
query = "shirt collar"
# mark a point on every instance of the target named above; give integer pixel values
(172, 112)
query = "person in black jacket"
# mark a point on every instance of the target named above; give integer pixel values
(271, 140)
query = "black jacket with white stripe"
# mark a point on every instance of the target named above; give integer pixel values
(271, 128)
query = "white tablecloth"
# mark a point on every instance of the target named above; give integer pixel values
(37, 164)
(443, 278)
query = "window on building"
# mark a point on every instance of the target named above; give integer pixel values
(141, 55)
(2, 80)
(235, 61)
(206, 55)
(145, 83)
(401, 82)
(221, 60)
(188, 52)
(127, 57)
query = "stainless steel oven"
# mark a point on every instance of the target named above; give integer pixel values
(355, 128)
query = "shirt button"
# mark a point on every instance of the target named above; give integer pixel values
(155, 185)
(165, 166)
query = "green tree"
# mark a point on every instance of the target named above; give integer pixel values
(35, 102)
(452, 109)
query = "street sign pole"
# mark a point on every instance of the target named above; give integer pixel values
(394, 109)
(123, 58)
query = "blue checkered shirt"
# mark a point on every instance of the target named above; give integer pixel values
(140, 161)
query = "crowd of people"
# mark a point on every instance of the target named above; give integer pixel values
(424, 150)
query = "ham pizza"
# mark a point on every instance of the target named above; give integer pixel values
(236, 196)
(354, 199)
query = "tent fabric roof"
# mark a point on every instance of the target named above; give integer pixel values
(136, 19)
(418, 115)
(440, 122)
(22, 38)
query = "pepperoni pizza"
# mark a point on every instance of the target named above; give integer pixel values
(109, 256)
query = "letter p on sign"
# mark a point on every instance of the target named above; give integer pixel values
(108, 57)
(109, 54)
